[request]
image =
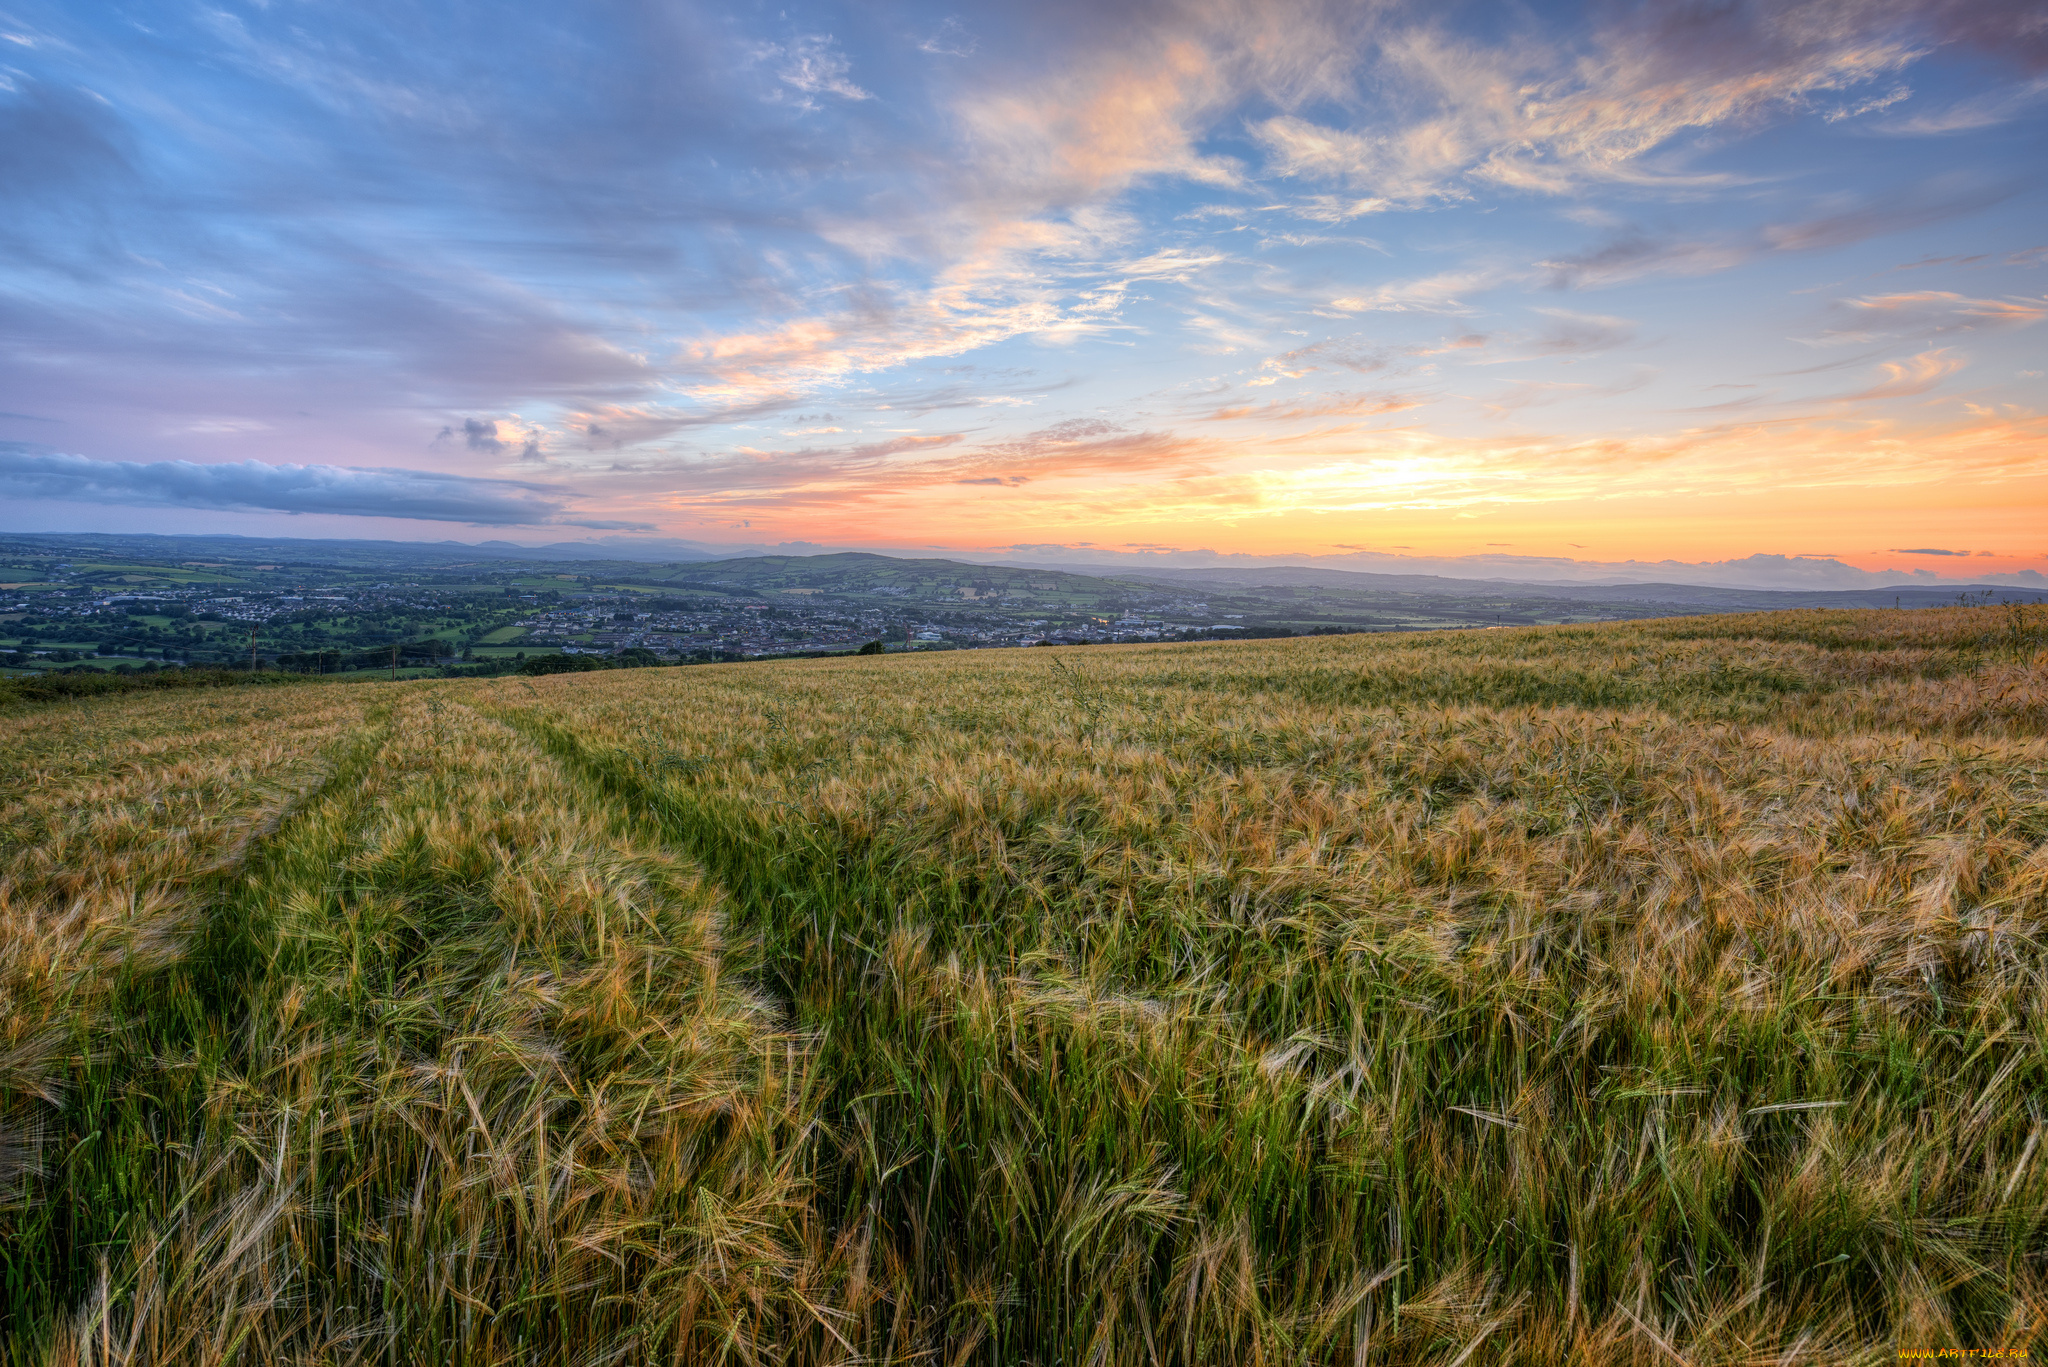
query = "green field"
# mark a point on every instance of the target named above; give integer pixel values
(1663, 992)
(168, 574)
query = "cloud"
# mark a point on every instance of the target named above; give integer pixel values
(1539, 116)
(812, 65)
(616, 426)
(1979, 111)
(1582, 333)
(1569, 335)
(1873, 104)
(974, 304)
(1536, 393)
(40, 473)
(838, 479)
(1916, 375)
(949, 39)
(1634, 255)
(2013, 31)
(1924, 550)
(1096, 447)
(1169, 263)
(1923, 313)
(1069, 432)
(1933, 201)
(1333, 406)
(1346, 353)
(957, 396)
(1440, 293)
(1403, 171)
(489, 437)
(1268, 240)
(1471, 341)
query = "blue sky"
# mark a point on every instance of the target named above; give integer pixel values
(1561, 287)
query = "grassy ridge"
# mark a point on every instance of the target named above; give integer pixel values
(1611, 994)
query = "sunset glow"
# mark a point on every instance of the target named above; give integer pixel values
(1553, 289)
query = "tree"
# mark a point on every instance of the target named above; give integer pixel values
(561, 664)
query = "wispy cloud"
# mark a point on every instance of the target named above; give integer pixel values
(1447, 292)
(1636, 255)
(1930, 312)
(1537, 117)
(1986, 110)
(950, 39)
(1915, 375)
(616, 426)
(1632, 254)
(1936, 201)
(812, 65)
(1580, 334)
(37, 472)
(1538, 393)
(1331, 406)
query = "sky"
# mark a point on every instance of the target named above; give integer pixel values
(1731, 291)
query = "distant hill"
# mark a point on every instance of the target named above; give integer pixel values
(1694, 597)
(857, 571)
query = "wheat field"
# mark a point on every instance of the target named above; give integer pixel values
(1651, 993)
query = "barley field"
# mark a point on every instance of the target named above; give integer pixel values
(1666, 992)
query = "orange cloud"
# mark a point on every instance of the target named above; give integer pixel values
(1943, 311)
(1917, 375)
